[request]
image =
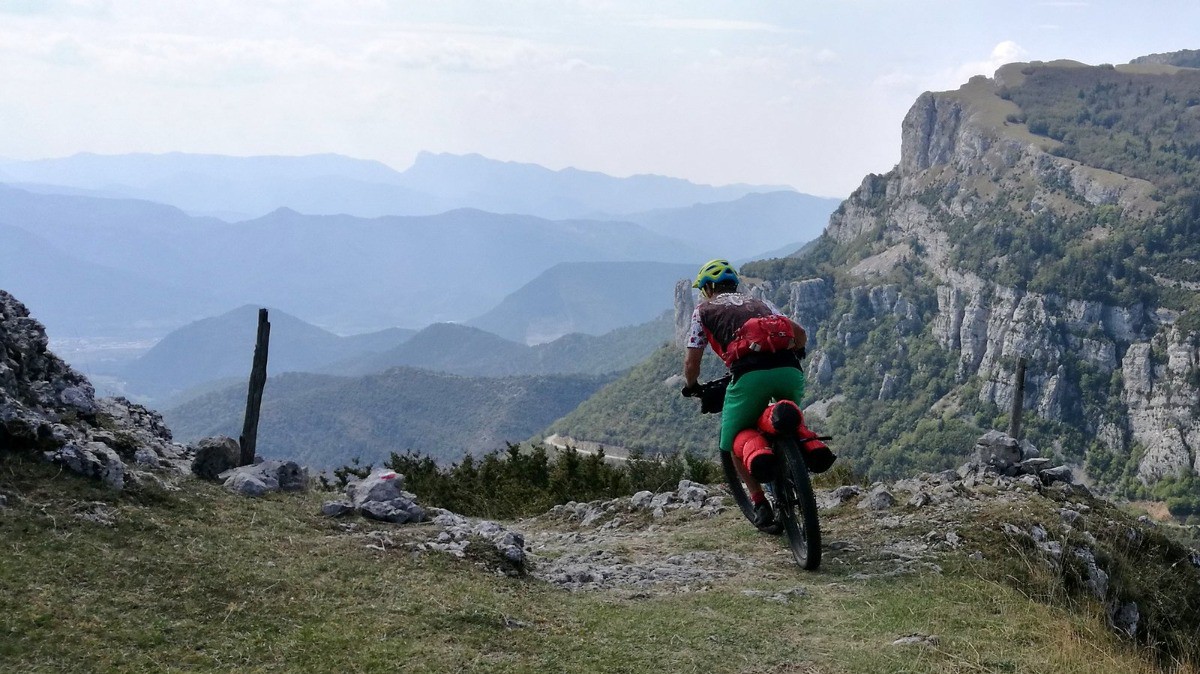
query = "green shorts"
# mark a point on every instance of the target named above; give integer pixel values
(750, 394)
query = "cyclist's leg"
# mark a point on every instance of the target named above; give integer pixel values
(788, 383)
(744, 401)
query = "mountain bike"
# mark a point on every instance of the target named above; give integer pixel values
(791, 491)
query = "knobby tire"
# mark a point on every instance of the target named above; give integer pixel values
(735, 487)
(796, 506)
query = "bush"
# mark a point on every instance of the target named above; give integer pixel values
(523, 481)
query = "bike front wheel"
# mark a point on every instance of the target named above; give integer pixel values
(796, 505)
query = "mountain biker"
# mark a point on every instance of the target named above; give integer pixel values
(759, 374)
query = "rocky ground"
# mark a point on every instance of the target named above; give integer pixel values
(1003, 502)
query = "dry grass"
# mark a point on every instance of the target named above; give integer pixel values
(201, 580)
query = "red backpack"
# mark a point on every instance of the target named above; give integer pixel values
(761, 333)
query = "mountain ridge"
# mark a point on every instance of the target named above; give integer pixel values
(434, 183)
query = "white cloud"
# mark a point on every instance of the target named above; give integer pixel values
(709, 25)
(1003, 53)
(86, 8)
(470, 52)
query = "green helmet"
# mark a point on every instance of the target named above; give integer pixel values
(715, 271)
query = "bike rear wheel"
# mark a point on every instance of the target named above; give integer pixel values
(796, 505)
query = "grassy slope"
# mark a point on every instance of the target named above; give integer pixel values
(201, 580)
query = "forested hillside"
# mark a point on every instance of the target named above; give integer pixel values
(326, 421)
(644, 411)
(460, 349)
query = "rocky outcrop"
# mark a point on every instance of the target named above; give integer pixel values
(49, 408)
(958, 158)
(685, 304)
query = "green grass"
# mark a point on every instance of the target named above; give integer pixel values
(200, 580)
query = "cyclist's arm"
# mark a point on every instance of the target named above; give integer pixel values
(696, 341)
(691, 365)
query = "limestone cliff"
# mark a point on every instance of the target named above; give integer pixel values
(977, 241)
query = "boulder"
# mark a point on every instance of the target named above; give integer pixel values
(878, 499)
(93, 459)
(1125, 618)
(214, 456)
(997, 450)
(642, 499)
(267, 476)
(1057, 474)
(249, 484)
(381, 485)
(386, 511)
(336, 508)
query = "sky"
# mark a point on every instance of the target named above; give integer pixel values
(805, 93)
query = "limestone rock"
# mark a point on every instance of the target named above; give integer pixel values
(249, 484)
(381, 485)
(214, 456)
(267, 476)
(1125, 618)
(998, 450)
(336, 508)
(878, 499)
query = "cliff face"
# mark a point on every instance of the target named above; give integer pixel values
(906, 247)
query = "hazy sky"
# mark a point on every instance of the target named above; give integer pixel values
(807, 93)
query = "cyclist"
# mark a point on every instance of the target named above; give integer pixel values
(765, 365)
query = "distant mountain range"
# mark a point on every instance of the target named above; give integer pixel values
(325, 421)
(588, 297)
(212, 353)
(350, 274)
(241, 188)
(753, 226)
(114, 252)
(460, 349)
(223, 346)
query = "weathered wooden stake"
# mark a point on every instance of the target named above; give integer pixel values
(258, 380)
(1018, 405)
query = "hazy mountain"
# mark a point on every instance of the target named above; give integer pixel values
(325, 421)
(244, 187)
(513, 187)
(351, 274)
(223, 346)
(77, 299)
(586, 297)
(745, 227)
(460, 349)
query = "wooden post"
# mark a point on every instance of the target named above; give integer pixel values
(1018, 405)
(258, 380)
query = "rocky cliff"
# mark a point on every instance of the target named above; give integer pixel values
(1018, 225)
(47, 407)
